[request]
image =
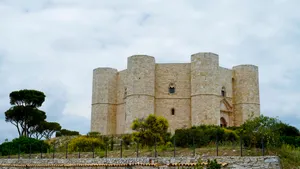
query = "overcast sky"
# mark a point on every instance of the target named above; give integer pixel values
(54, 45)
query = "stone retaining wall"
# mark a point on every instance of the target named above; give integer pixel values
(136, 163)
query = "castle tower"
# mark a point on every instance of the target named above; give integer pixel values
(140, 86)
(205, 89)
(104, 100)
(246, 92)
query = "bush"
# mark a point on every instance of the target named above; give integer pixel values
(93, 134)
(203, 135)
(24, 143)
(127, 139)
(294, 141)
(213, 164)
(85, 144)
(151, 130)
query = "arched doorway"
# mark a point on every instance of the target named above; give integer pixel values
(223, 122)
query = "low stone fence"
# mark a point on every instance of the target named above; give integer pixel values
(145, 163)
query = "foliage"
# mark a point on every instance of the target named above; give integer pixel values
(287, 130)
(24, 113)
(260, 129)
(150, 130)
(289, 156)
(85, 144)
(111, 142)
(65, 132)
(23, 145)
(290, 140)
(202, 135)
(127, 139)
(93, 134)
(213, 164)
(46, 129)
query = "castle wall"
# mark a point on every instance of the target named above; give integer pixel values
(205, 89)
(143, 89)
(140, 89)
(246, 92)
(225, 80)
(121, 95)
(179, 74)
(104, 100)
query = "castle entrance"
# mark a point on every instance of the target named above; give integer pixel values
(223, 122)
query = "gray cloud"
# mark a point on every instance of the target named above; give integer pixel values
(53, 46)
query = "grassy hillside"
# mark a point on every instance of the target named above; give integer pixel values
(290, 157)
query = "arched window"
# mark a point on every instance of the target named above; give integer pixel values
(172, 111)
(223, 92)
(172, 88)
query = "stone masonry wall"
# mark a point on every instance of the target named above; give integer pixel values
(180, 101)
(121, 95)
(205, 89)
(143, 89)
(246, 92)
(104, 100)
(140, 84)
(268, 162)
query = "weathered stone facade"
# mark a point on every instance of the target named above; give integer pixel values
(187, 94)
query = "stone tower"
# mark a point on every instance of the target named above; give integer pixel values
(104, 100)
(205, 89)
(140, 86)
(246, 92)
(186, 94)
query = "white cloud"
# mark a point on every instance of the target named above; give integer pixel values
(54, 45)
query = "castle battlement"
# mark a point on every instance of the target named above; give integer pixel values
(187, 94)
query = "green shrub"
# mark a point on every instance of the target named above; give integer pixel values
(85, 144)
(93, 134)
(203, 135)
(295, 141)
(23, 144)
(166, 146)
(230, 135)
(127, 139)
(213, 164)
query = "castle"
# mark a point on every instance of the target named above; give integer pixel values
(186, 94)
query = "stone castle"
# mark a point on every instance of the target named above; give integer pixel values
(186, 94)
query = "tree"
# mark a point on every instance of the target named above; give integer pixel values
(153, 128)
(261, 128)
(46, 129)
(24, 113)
(287, 130)
(65, 132)
(50, 128)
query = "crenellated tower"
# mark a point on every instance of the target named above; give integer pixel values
(140, 84)
(205, 89)
(104, 100)
(246, 93)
